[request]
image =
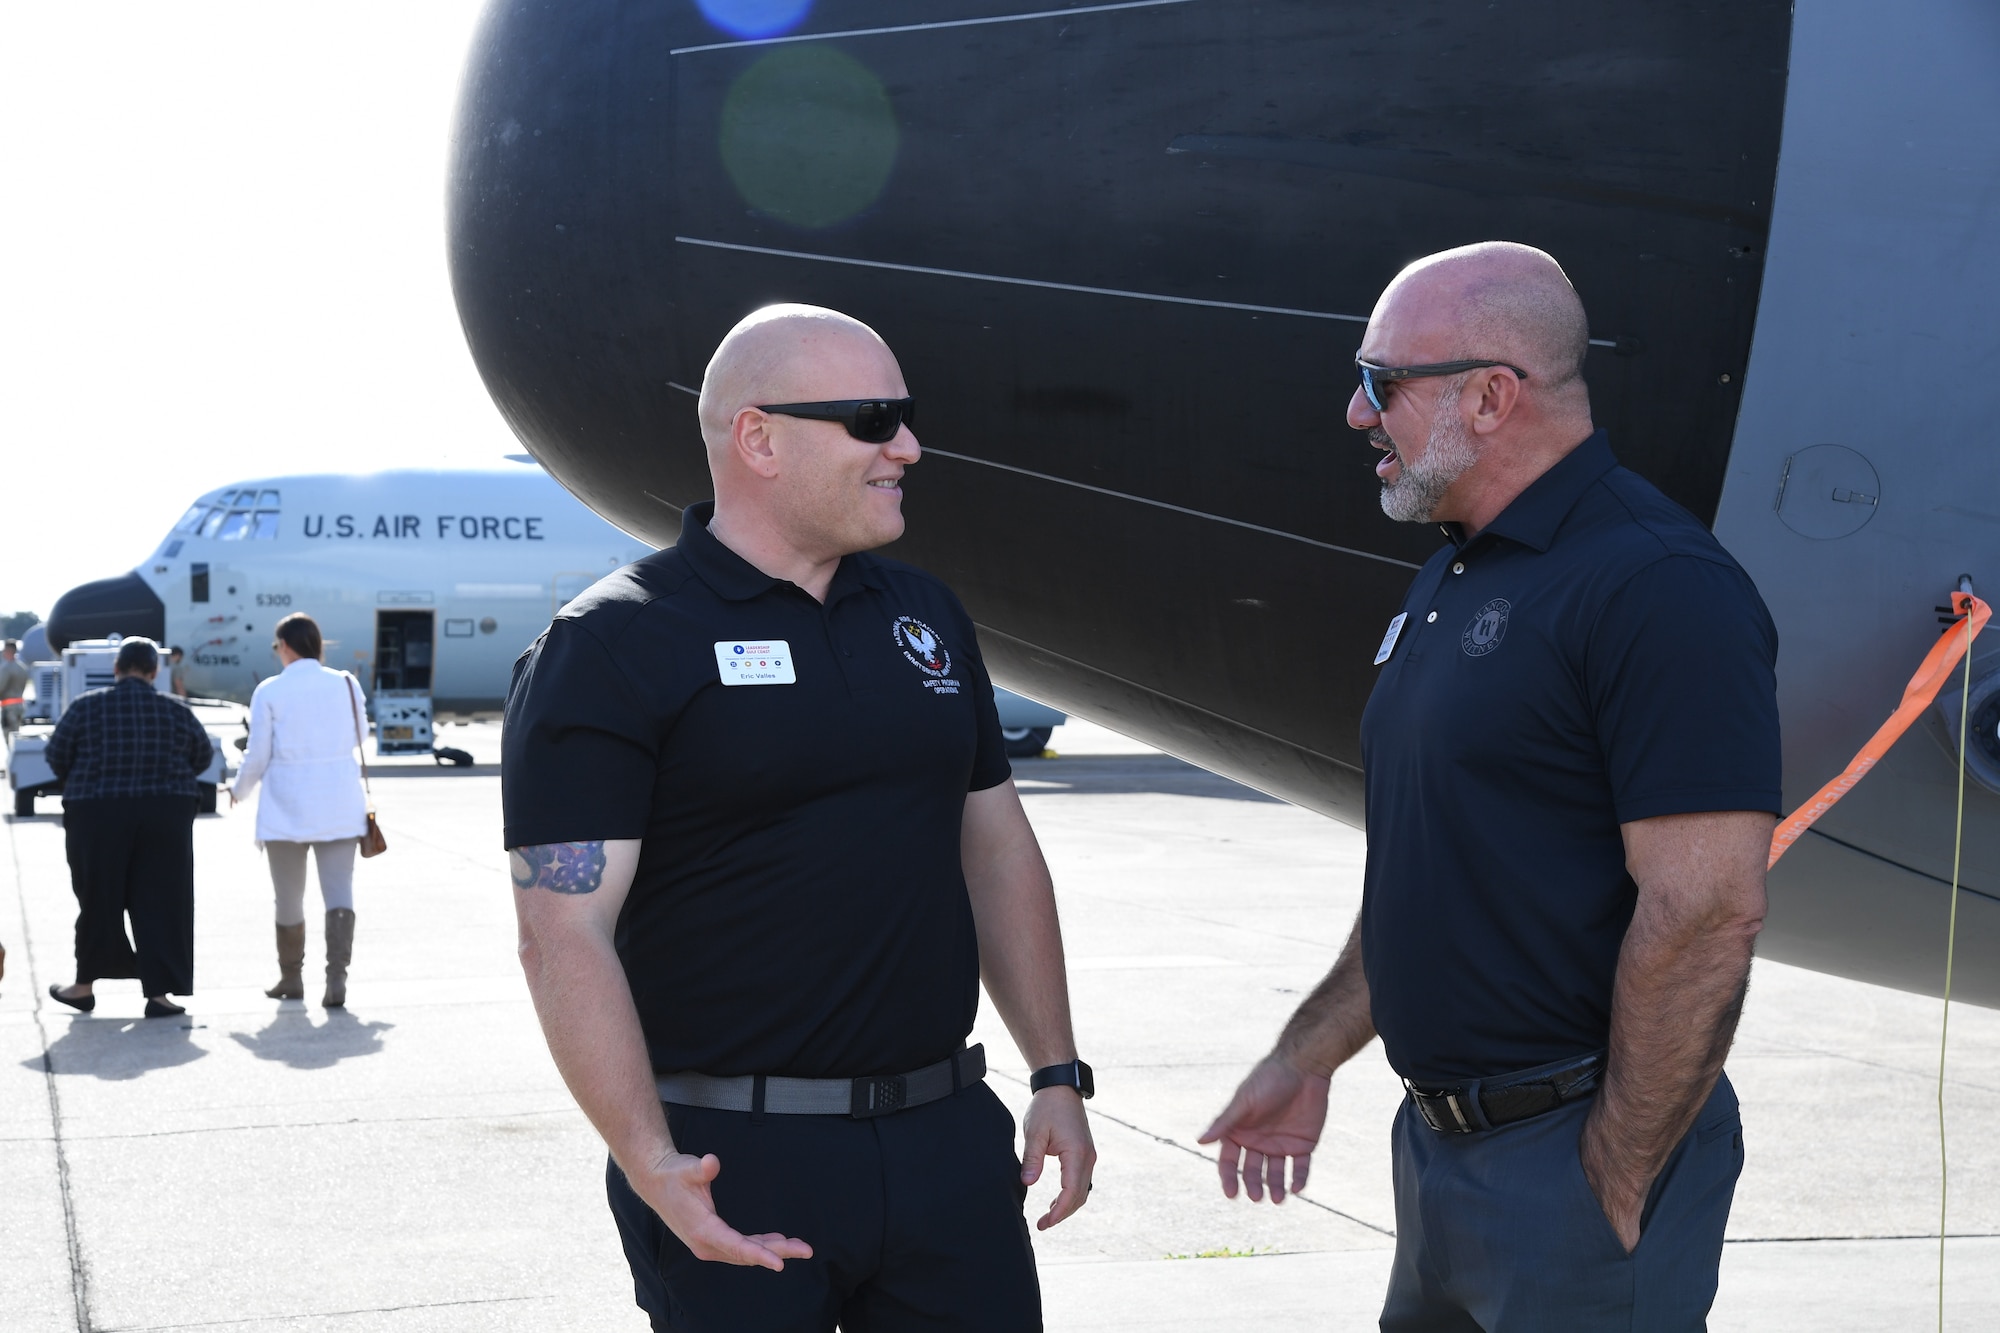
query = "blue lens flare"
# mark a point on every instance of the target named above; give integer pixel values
(755, 18)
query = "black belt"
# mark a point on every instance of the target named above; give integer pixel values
(1487, 1103)
(861, 1098)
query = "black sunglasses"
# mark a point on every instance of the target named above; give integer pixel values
(1375, 380)
(873, 420)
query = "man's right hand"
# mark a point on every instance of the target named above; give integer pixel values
(677, 1189)
(1277, 1113)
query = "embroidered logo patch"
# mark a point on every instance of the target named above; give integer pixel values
(926, 652)
(1483, 635)
(920, 644)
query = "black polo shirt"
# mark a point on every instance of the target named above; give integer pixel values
(798, 773)
(1592, 658)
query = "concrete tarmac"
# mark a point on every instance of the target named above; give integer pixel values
(414, 1163)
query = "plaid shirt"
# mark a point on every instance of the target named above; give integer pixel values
(129, 740)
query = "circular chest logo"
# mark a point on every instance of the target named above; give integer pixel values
(1483, 635)
(920, 644)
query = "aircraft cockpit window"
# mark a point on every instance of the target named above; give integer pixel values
(268, 499)
(266, 525)
(214, 522)
(235, 527)
(192, 519)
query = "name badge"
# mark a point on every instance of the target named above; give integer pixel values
(1389, 639)
(741, 662)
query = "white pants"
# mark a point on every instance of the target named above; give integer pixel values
(288, 876)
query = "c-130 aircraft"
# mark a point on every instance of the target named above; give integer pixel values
(1126, 252)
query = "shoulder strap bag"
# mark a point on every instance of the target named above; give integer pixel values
(372, 842)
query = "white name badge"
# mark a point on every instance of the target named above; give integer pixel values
(1389, 639)
(741, 662)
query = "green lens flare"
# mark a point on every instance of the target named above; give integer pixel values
(808, 135)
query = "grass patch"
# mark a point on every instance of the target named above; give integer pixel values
(1226, 1253)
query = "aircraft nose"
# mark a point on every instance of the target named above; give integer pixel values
(95, 610)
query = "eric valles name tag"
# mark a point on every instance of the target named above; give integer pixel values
(741, 662)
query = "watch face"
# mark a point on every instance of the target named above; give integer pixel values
(1086, 1082)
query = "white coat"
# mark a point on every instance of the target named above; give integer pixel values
(304, 725)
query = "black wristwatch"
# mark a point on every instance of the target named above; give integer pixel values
(1075, 1074)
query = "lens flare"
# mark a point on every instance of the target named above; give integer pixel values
(808, 136)
(755, 18)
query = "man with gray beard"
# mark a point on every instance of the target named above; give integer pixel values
(1571, 764)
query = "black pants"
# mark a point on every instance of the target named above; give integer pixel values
(914, 1219)
(1499, 1232)
(134, 854)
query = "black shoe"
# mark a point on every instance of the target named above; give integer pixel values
(162, 1008)
(86, 1003)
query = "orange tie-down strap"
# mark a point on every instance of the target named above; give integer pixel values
(1937, 667)
(5, 702)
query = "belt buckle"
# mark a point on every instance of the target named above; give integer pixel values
(880, 1094)
(1460, 1122)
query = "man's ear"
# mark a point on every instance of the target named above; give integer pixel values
(750, 440)
(1498, 393)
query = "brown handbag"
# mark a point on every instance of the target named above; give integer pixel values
(372, 842)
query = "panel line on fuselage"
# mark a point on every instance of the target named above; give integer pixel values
(922, 27)
(1178, 509)
(1023, 282)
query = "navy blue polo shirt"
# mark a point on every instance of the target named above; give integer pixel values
(1592, 658)
(798, 773)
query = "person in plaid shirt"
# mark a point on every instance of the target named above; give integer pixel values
(128, 757)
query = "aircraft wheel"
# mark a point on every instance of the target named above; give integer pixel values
(204, 800)
(1026, 742)
(24, 802)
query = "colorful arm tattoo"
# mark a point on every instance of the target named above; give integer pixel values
(559, 867)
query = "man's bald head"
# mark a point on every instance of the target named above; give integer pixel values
(782, 354)
(1496, 301)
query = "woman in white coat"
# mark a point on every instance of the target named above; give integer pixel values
(306, 725)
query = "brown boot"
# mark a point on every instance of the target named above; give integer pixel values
(291, 964)
(339, 952)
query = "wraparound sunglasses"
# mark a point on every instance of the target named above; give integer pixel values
(1375, 380)
(872, 420)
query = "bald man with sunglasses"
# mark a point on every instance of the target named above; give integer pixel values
(1571, 766)
(766, 847)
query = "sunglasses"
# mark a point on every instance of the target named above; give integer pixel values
(872, 420)
(1375, 380)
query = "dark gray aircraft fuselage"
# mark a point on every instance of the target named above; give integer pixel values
(1125, 253)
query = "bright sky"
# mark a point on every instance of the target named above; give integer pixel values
(223, 241)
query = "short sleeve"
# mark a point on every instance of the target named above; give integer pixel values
(990, 766)
(579, 750)
(1682, 678)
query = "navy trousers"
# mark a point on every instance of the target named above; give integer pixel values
(915, 1220)
(1499, 1232)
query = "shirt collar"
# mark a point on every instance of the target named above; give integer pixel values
(735, 579)
(1536, 513)
(307, 663)
(140, 681)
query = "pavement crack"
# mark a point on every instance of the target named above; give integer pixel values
(1201, 1156)
(79, 1269)
(324, 1314)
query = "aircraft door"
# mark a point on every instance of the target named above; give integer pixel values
(405, 644)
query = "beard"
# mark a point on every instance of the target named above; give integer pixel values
(1419, 488)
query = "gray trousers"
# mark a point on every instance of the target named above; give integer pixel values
(288, 876)
(1498, 1231)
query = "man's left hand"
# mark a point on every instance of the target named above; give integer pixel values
(1056, 1127)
